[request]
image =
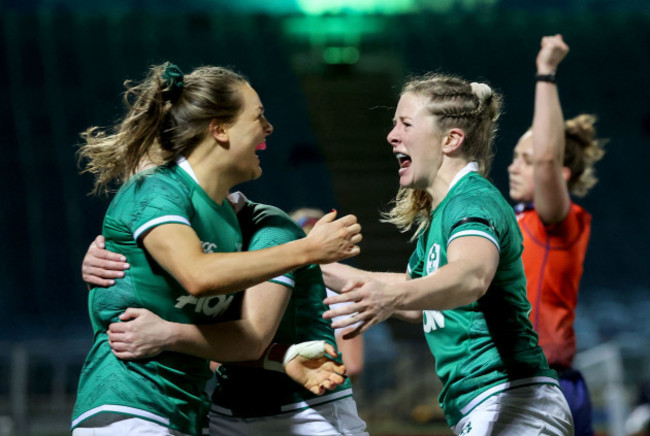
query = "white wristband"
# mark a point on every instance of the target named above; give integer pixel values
(308, 350)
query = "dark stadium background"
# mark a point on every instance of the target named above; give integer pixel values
(329, 81)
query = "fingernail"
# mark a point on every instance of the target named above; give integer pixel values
(333, 210)
(122, 259)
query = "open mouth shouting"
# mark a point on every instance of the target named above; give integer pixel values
(404, 161)
(259, 147)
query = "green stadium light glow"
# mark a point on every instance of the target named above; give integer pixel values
(319, 7)
(341, 55)
(335, 29)
(343, 27)
(387, 7)
(336, 37)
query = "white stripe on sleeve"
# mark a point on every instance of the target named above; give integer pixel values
(474, 233)
(160, 220)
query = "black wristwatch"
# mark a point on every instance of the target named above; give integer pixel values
(550, 77)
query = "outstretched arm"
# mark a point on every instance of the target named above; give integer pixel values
(143, 334)
(337, 275)
(412, 316)
(551, 196)
(472, 263)
(177, 248)
(146, 335)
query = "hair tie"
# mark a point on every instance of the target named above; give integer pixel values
(481, 90)
(173, 77)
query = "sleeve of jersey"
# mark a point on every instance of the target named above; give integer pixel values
(415, 266)
(158, 201)
(270, 235)
(472, 216)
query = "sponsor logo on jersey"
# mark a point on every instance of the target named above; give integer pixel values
(209, 247)
(432, 320)
(208, 306)
(433, 258)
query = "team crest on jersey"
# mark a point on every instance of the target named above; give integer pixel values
(433, 258)
(432, 320)
(208, 306)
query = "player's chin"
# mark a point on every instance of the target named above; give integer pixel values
(515, 195)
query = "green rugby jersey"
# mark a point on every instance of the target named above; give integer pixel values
(488, 346)
(169, 388)
(238, 390)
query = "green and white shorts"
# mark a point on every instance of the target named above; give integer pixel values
(531, 410)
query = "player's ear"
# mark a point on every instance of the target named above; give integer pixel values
(219, 131)
(453, 140)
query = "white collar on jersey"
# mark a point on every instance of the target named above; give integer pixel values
(185, 165)
(237, 199)
(469, 168)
